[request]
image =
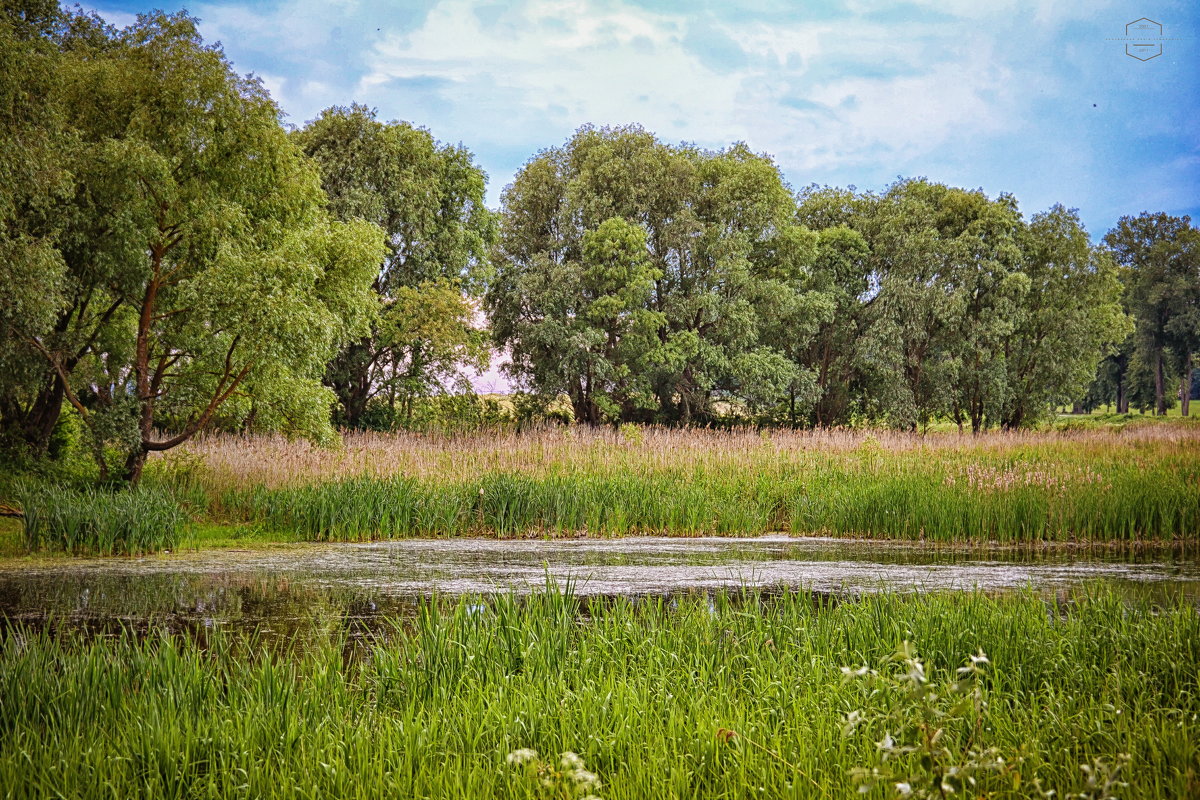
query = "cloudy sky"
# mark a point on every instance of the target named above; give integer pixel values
(1035, 98)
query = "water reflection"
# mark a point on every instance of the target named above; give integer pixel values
(317, 590)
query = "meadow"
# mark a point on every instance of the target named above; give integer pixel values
(732, 696)
(1125, 484)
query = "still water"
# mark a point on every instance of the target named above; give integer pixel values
(295, 587)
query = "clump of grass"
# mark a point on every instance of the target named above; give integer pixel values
(507, 504)
(737, 696)
(96, 520)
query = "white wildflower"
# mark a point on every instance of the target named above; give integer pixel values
(522, 756)
(588, 780)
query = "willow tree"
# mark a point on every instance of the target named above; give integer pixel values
(841, 273)
(721, 253)
(34, 182)
(1070, 321)
(1161, 254)
(429, 199)
(951, 305)
(942, 284)
(198, 269)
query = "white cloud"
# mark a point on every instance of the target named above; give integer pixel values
(553, 66)
(572, 62)
(1012, 94)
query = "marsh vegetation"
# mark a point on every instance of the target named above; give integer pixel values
(739, 695)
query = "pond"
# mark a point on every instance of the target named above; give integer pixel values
(289, 589)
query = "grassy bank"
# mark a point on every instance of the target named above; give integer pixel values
(736, 699)
(1131, 483)
(1119, 484)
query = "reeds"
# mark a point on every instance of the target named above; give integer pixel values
(1020, 488)
(275, 462)
(734, 696)
(100, 521)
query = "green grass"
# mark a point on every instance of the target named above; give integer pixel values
(895, 497)
(96, 520)
(742, 698)
(1129, 483)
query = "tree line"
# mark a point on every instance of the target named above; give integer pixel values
(176, 258)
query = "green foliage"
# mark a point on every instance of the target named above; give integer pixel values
(645, 691)
(1161, 257)
(429, 200)
(196, 264)
(641, 279)
(954, 307)
(100, 521)
(440, 413)
(924, 302)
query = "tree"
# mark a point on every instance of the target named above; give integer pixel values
(579, 327)
(949, 305)
(430, 335)
(1160, 253)
(943, 283)
(721, 245)
(841, 273)
(1070, 320)
(429, 199)
(200, 268)
(34, 181)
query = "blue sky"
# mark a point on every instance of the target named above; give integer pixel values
(1035, 98)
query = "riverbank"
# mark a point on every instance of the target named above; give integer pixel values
(1130, 484)
(658, 699)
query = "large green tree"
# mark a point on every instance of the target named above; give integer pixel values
(1161, 254)
(198, 267)
(34, 182)
(691, 317)
(950, 305)
(943, 282)
(1070, 320)
(429, 199)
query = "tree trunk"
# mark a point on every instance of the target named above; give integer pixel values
(134, 464)
(1160, 394)
(1185, 388)
(1122, 397)
(43, 416)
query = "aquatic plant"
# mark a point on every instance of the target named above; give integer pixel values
(1141, 483)
(98, 520)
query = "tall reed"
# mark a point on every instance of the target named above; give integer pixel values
(898, 498)
(100, 521)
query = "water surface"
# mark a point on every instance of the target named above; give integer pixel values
(299, 586)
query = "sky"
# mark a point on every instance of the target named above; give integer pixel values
(1033, 97)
